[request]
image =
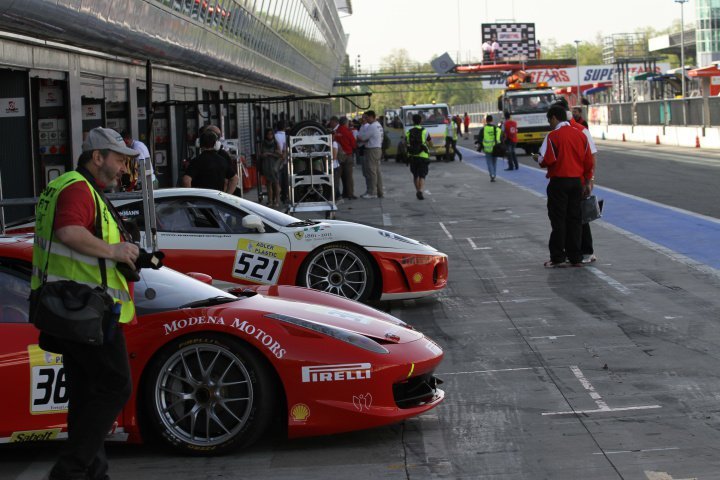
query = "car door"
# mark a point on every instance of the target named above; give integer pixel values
(198, 234)
(35, 401)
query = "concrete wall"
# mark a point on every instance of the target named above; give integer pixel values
(702, 137)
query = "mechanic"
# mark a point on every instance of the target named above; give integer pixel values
(210, 169)
(98, 377)
(346, 140)
(420, 159)
(565, 153)
(451, 137)
(143, 153)
(371, 136)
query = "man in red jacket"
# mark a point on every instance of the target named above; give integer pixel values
(346, 141)
(565, 153)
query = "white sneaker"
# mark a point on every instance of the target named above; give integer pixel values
(589, 258)
(367, 195)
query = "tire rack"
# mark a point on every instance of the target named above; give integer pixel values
(309, 149)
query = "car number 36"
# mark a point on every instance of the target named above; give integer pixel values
(49, 389)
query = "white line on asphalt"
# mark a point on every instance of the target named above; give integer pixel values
(489, 371)
(475, 247)
(663, 476)
(551, 337)
(517, 300)
(643, 450)
(609, 280)
(387, 221)
(602, 405)
(445, 230)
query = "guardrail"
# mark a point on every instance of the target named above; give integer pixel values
(670, 113)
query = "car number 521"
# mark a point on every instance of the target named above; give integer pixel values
(258, 262)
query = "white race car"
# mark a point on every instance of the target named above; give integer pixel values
(237, 241)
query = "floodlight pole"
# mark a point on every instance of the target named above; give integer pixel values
(682, 46)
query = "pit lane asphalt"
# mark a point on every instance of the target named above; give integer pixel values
(601, 372)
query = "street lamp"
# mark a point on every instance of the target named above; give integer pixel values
(577, 66)
(682, 46)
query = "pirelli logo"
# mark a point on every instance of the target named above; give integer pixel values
(336, 373)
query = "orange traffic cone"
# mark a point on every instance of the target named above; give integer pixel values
(697, 141)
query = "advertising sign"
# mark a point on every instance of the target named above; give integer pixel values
(12, 107)
(564, 77)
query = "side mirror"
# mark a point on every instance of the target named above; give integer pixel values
(253, 222)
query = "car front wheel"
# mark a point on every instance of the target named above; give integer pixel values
(341, 269)
(207, 394)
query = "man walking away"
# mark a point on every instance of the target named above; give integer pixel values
(419, 142)
(371, 136)
(466, 122)
(69, 247)
(451, 137)
(565, 153)
(489, 137)
(209, 169)
(511, 138)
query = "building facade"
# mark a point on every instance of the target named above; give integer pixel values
(67, 66)
(707, 31)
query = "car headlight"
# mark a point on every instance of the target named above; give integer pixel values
(338, 333)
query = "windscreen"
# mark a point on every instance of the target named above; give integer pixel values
(431, 115)
(273, 216)
(529, 102)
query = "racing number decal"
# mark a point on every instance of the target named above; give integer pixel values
(48, 388)
(258, 262)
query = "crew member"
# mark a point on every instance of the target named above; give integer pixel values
(451, 137)
(209, 169)
(419, 154)
(565, 153)
(68, 247)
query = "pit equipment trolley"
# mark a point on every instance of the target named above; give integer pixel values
(310, 175)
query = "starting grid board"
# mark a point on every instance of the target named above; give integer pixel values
(517, 40)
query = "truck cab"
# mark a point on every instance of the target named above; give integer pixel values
(528, 104)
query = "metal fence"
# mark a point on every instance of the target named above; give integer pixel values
(676, 113)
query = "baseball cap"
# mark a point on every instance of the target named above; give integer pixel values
(107, 139)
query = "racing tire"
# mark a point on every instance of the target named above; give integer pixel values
(308, 128)
(209, 394)
(339, 268)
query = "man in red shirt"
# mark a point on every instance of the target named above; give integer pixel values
(346, 141)
(511, 138)
(565, 153)
(466, 122)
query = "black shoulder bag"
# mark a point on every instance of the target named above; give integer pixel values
(499, 149)
(70, 310)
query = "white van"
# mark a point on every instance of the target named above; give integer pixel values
(435, 120)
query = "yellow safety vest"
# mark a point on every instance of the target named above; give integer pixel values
(67, 264)
(423, 135)
(451, 130)
(491, 137)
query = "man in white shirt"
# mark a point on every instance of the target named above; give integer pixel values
(143, 153)
(371, 136)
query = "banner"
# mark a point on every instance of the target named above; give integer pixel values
(567, 77)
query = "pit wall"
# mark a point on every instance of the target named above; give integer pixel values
(700, 137)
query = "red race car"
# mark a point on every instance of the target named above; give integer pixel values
(211, 370)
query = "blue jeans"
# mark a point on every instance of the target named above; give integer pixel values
(511, 156)
(491, 163)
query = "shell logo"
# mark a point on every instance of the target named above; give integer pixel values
(417, 278)
(300, 412)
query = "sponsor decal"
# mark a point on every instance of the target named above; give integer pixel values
(299, 234)
(258, 262)
(176, 325)
(417, 278)
(395, 236)
(317, 232)
(12, 107)
(48, 387)
(416, 260)
(412, 369)
(353, 317)
(129, 213)
(433, 347)
(35, 435)
(244, 326)
(336, 373)
(362, 401)
(300, 412)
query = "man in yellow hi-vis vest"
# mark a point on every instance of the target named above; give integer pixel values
(69, 247)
